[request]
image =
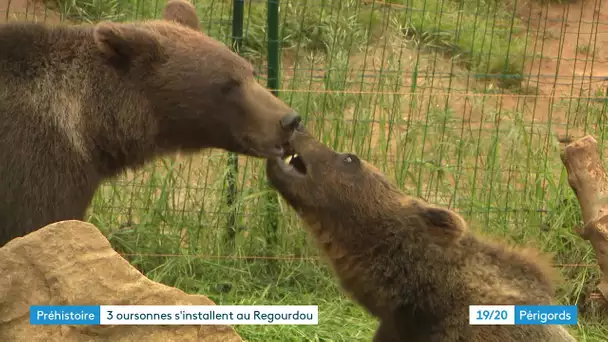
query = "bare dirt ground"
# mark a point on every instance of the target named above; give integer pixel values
(573, 44)
(11, 10)
(570, 54)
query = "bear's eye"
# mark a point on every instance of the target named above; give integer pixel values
(350, 159)
(229, 86)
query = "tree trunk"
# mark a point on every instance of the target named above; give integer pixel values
(587, 177)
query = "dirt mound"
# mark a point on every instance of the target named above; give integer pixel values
(72, 263)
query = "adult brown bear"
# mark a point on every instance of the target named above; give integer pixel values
(414, 266)
(81, 103)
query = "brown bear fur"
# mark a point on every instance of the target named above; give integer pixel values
(414, 266)
(181, 12)
(80, 104)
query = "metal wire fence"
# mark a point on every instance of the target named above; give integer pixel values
(461, 102)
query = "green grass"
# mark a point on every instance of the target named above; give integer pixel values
(388, 83)
(479, 34)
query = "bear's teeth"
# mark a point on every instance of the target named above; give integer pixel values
(289, 158)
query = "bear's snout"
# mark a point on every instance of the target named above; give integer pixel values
(291, 121)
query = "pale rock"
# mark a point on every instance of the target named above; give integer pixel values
(72, 263)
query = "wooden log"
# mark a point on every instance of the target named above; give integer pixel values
(588, 178)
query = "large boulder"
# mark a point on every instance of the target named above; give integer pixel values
(72, 263)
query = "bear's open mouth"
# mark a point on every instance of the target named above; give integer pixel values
(296, 163)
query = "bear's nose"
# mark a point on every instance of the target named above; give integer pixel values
(291, 121)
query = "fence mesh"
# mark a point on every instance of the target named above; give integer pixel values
(461, 102)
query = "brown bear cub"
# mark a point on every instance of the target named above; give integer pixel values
(80, 104)
(414, 266)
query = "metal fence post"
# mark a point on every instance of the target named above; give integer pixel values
(238, 14)
(273, 85)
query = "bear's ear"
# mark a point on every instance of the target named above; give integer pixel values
(444, 225)
(182, 12)
(123, 44)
